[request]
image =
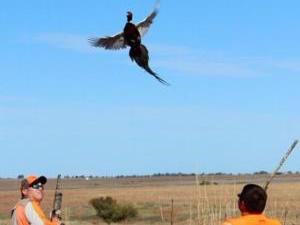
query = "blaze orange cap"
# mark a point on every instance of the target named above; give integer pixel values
(34, 180)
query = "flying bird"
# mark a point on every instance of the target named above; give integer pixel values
(131, 37)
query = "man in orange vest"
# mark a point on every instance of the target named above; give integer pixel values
(252, 202)
(28, 211)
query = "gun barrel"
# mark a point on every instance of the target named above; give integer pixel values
(57, 201)
(283, 159)
(57, 198)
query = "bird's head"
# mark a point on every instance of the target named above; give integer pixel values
(129, 16)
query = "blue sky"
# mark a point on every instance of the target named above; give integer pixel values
(65, 107)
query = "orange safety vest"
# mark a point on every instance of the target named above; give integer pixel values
(251, 219)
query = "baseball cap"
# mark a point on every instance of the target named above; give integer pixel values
(31, 180)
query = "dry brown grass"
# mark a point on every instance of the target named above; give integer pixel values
(193, 204)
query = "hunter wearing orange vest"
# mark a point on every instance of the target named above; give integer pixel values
(28, 211)
(252, 202)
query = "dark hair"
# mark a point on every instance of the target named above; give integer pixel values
(24, 185)
(254, 198)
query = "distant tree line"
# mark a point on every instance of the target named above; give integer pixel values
(87, 177)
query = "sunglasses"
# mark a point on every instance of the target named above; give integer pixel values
(37, 186)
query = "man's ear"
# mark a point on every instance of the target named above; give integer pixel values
(242, 206)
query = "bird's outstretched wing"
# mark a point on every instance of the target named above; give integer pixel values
(113, 43)
(144, 25)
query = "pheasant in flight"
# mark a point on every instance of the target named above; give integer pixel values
(131, 36)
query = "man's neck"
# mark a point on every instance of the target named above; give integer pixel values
(247, 213)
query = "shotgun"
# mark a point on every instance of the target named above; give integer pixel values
(55, 212)
(284, 157)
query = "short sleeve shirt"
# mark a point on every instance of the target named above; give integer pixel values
(253, 219)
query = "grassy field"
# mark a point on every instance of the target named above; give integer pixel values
(194, 204)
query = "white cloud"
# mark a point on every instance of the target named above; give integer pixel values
(10, 98)
(7, 98)
(204, 67)
(186, 60)
(68, 41)
(171, 50)
(292, 65)
(194, 61)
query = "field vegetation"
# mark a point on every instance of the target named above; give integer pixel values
(192, 200)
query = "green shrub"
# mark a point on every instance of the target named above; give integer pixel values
(110, 211)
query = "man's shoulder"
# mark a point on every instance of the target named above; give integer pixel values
(244, 220)
(273, 222)
(22, 202)
(233, 221)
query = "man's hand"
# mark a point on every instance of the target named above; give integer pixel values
(57, 220)
(55, 214)
(56, 217)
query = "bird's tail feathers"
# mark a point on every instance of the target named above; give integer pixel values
(147, 68)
